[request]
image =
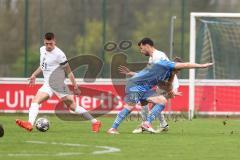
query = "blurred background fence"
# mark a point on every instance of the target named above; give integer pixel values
(84, 26)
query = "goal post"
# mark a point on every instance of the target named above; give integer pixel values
(214, 24)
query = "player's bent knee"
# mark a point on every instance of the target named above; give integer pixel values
(158, 100)
(70, 103)
(162, 100)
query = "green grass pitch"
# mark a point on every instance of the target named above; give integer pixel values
(200, 139)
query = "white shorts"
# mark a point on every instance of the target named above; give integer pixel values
(47, 89)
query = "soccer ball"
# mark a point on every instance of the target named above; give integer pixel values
(42, 124)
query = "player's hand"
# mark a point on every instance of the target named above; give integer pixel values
(206, 65)
(172, 94)
(76, 90)
(177, 93)
(125, 70)
(32, 80)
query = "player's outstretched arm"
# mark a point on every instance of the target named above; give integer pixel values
(189, 65)
(126, 71)
(34, 75)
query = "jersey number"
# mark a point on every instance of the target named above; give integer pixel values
(44, 65)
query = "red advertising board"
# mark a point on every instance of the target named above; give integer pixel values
(106, 97)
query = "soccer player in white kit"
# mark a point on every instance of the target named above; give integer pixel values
(148, 49)
(52, 58)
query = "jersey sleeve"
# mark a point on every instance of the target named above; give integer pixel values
(62, 59)
(168, 64)
(159, 56)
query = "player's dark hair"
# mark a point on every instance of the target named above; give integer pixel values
(49, 36)
(146, 41)
(177, 59)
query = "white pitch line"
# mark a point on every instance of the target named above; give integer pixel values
(106, 149)
(43, 154)
(26, 154)
(68, 154)
(70, 144)
(37, 142)
(57, 143)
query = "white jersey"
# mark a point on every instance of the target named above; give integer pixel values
(158, 55)
(49, 61)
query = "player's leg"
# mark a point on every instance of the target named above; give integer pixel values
(159, 102)
(34, 107)
(163, 123)
(70, 102)
(42, 95)
(163, 126)
(120, 117)
(131, 99)
(144, 113)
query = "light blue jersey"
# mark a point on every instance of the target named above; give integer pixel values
(142, 82)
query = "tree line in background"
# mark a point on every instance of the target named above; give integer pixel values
(78, 25)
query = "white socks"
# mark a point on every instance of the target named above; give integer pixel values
(34, 109)
(33, 112)
(144, 112)
(85, 114)
(162, 120)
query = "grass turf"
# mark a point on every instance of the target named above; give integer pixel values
(200, 139)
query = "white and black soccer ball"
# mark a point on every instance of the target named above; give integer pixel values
(42, 124)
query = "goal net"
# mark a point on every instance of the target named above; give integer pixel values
(215, 37)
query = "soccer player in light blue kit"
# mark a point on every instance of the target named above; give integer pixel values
(147, 48)
(139, 89)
